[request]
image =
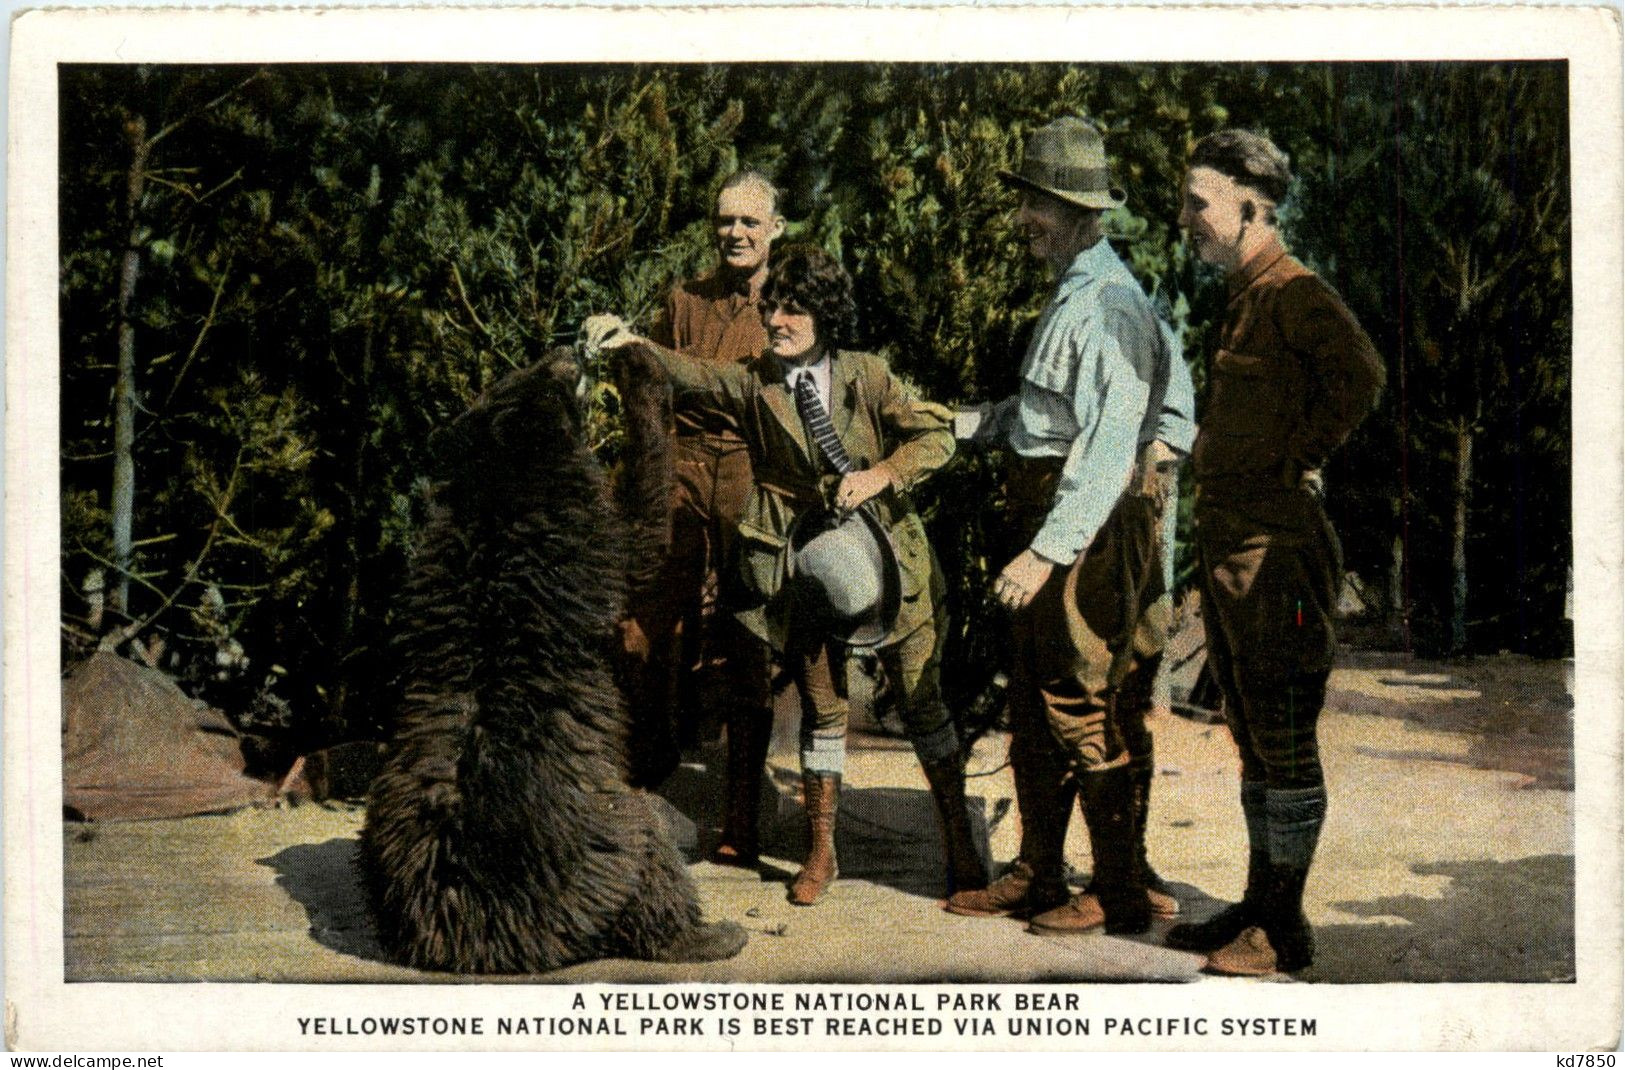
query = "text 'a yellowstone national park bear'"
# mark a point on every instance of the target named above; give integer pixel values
(501, 836)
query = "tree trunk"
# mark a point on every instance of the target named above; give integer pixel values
(123, 498)
(1399, 610)
(1458, 539)
(361, 530)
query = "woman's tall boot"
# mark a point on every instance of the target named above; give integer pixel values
(822, 792)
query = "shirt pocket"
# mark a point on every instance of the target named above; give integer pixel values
(764, 542)
(914, 563)
(763, 560)
(1251, 397)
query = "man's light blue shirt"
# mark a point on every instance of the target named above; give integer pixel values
(1102, 377)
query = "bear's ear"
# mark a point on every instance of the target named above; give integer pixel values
(563, 367)
(450, 449)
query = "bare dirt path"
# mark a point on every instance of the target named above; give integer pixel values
(1448, 856)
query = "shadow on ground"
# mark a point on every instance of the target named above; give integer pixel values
(1496, 921)
(886, 835)
(325, 879)
(1492, 922)
(1514, 710)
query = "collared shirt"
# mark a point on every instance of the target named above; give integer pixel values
(1102, 377)
(710, 318)
(1292, 377)
(818, 369)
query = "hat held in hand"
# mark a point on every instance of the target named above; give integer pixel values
(843, 575)
(1067, 160)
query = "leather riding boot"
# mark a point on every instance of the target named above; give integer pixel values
(1110, 811)
(1157, 892)
(1017, 894)
(1293, 819)
(1044, 794)
(822, 792)
(1281, 941)
(1037, 881)
(748, 734)
(1227, 924)
(1284, 920)
(947, 779)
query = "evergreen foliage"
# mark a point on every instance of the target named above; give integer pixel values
(326, 262)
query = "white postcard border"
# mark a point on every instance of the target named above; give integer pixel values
(42, 1011)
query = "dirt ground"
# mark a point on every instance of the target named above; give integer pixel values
(1448, 856)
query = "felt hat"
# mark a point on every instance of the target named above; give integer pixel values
(843, 575)
(1067, 160)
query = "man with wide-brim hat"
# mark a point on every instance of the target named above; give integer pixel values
(1093, 438)
(1066, 161)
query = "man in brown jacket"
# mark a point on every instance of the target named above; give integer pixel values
(1293, 376)
(713, 318)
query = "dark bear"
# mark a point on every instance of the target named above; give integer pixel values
(643, 493)
(501, 835)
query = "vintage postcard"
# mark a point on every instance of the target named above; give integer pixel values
(814, 528)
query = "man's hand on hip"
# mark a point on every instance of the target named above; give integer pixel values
(1294, 476)
(1156, 473)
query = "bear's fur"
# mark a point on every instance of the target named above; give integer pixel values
(501, 835)
(644, 485)
(647, 471)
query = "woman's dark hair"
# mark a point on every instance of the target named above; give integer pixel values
(807, 278)
(1247, 158)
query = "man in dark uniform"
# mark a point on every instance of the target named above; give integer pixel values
(1293, 376)
(714, 318)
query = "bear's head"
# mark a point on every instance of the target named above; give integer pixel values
(524, 426)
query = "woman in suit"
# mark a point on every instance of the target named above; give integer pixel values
(833, 432)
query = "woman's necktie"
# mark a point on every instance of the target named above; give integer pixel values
(817, 421)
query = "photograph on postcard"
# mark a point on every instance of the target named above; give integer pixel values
(888, 527)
